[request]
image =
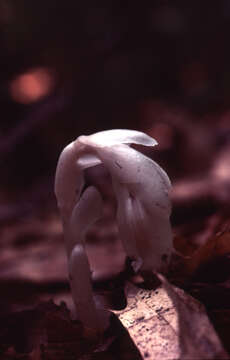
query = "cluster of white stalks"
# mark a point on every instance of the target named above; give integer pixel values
(141, 188)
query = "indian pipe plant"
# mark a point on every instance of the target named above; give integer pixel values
(141, 189)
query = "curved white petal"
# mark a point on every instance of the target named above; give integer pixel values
(146, 234)
(68, 180)
(124, 220)
(85, 213)
(144, 178)
(88, 160)
(116, 137)
(142, 191)
(153, 237)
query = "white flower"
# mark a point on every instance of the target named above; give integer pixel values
(141, 188)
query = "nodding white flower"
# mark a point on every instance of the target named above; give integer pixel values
(141, 189)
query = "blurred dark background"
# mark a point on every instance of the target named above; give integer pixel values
(71, 68)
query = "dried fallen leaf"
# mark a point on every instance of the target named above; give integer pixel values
(216, 246)
(169, 324)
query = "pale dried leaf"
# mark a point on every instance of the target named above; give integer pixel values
(169, 324)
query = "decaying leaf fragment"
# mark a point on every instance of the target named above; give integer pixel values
(168, 324)
(216, 247)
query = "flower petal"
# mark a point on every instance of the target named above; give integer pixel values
(144, 178)
(142, 191)
(153, 237)
(85, 213)
(118, 136)
(69, 181)
(146, 236)
(124, 221)
(88, 160)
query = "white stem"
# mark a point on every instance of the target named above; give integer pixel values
(84, 214)
(81, 287)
